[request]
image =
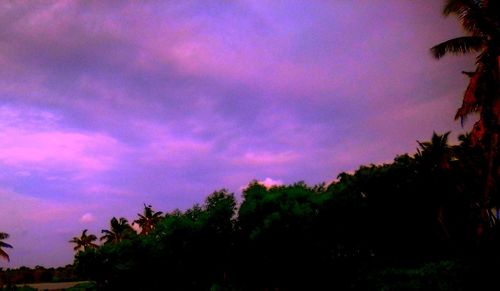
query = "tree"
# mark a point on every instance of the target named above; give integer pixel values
(120, 229)
(481, 21)
(148, 220)
(84, 241)
(433, 158)
(436, 153)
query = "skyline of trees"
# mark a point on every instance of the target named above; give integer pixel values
(416, 214)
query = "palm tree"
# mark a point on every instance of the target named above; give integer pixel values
(3, 254)
(84, 241)
(148, 220)
(120, 229)
(436, 153)
(481, 21)
(434, 157)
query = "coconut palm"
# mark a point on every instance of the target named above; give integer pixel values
(148, 220)
(481, 21)
(3, 254)
(436, 153)
(120, 229)
(434, 157)
(84, 242)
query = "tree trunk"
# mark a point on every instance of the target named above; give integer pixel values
(492, 171)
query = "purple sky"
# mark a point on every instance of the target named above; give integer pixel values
(106, 105)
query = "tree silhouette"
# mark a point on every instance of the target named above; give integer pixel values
(481, 21)
(120, 229)
(437, 152)
(84, 241)
(148, 220)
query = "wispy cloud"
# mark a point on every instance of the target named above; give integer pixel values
(36, 141)
(266, 158)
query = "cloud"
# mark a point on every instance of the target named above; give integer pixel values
(29, 219)
(26, 209)
(269, 182)
(263, 158)
(35, 140)
(87, 217)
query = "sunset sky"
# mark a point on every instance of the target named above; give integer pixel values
(106, 105)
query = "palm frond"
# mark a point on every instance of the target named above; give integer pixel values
(470, 100)
(4, 255)
(459, 45)
(5, 245)
(477, 22)
(473, 15)
(456, 7)
(108, 232)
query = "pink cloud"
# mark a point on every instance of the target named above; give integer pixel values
(34, 140)
(266, 158)
(175, 151)
(258, 58)
(49, 223)
(87, 218)
(101, 191)
(202, 55)
(163, 145)
(24, 210)
(269, 182)
(414, 121)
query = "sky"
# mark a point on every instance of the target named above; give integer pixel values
(107, 105)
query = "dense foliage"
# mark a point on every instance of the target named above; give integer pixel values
(405, 225)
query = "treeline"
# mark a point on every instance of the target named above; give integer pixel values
(24, 275)
(413, 224)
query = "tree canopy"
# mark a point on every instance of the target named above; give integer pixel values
(408, 219)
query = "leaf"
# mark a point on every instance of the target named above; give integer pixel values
(4, 255)
(459, 45)
(473, 15)
(469, 103)
(455, 6)
(5, 245)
